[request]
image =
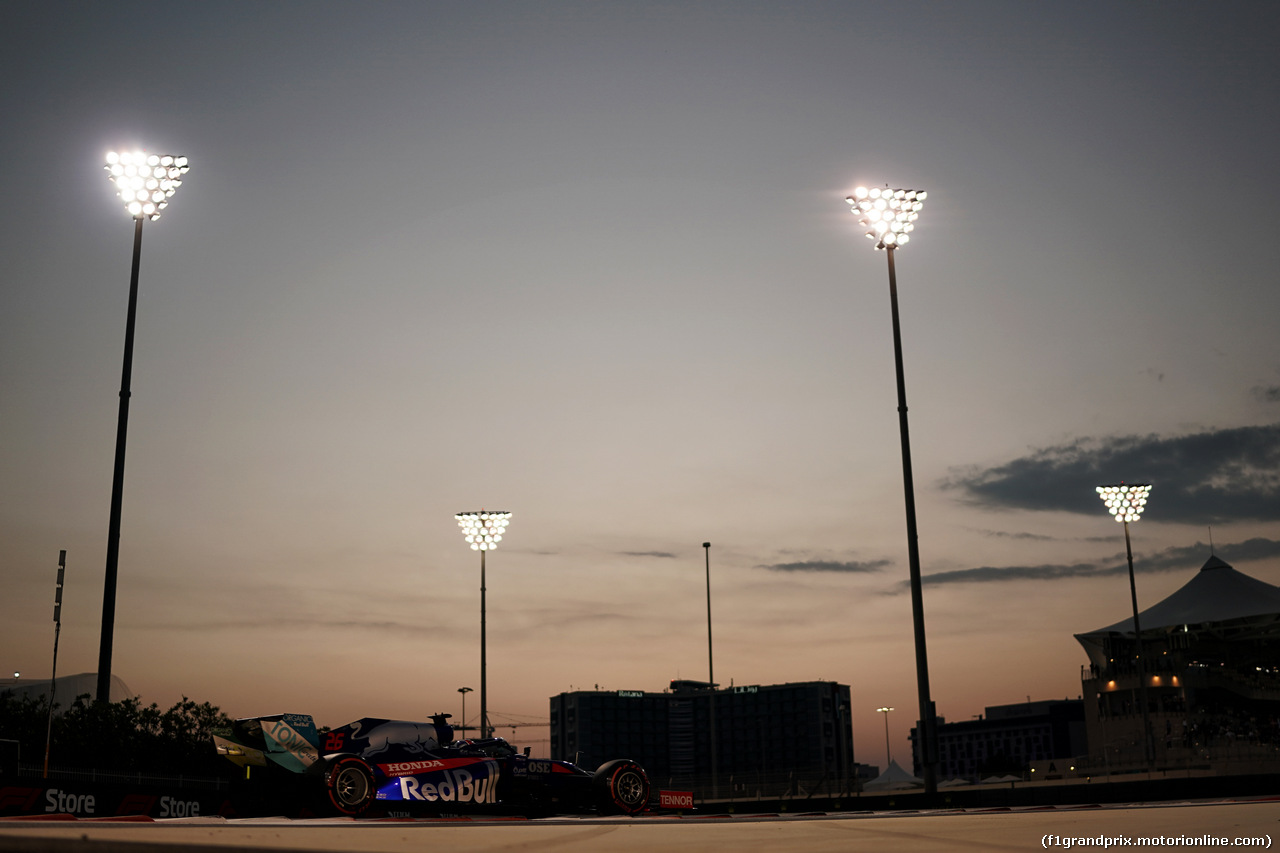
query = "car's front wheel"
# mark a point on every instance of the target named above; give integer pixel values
(348, 782)
(626, 786)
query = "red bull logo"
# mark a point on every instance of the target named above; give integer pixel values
(453, 786)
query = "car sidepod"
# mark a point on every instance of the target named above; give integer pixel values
(460, 781)
(547, 786)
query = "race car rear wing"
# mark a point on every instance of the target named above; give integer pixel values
(287, 740)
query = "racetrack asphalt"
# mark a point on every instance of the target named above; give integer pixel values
(1207, 825)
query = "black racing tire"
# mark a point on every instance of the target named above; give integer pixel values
(348, 785)
(625, 787)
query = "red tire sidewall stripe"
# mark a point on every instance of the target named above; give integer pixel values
(333, 771)
(613, 789)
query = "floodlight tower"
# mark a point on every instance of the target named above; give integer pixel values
(889, 215)
(1126, 502)
(145, 183)
(483, 530)
(888, 753)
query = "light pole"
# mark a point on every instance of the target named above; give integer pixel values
(711, 676)
(890, 215)
(145, 183)
(53, 675)
(464, 691)
(1126, 502)
(888, 755)
(484, 531)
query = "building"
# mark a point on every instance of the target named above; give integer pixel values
(780, 738)
(1007, 739)
(1212, 672)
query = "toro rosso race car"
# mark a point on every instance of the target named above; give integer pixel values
(400, 765)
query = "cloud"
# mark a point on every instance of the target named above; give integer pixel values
(1247, 551)
(1209, 477)
(1018, 535)
(319, 623)
(852, 567)
(1267, 393)
(988, 574)
(1177, 559)
(664, 555)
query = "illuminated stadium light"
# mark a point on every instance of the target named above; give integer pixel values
(1125, 501)
(483, 530)
(889, 215)
(887, 751)
(145, 182)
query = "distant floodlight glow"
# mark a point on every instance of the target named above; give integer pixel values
(887, 213)
(1125, 501)
(483, 530)
(139, 178)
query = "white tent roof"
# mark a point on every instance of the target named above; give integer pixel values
(1217, 593)
(1218, 600)
(67, 689)
(894, 777)
(997, 780)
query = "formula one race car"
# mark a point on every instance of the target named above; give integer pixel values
(399, 765)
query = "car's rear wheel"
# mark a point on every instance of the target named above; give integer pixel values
(626, 787)
(348, 782)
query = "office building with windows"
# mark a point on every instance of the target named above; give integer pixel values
(768, 738)
(1007, 739)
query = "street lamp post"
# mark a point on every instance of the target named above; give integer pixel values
(145, 183)
(464, 691)
(711, 676)
(890, 216)
(888, 754)
(483, 530)
(53, 675)
(1126, 502)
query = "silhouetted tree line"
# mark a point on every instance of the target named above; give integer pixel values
(117, 737)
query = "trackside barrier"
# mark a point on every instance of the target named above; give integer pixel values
(80, 799)
(675, 799)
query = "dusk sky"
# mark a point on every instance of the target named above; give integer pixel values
(590, 262)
